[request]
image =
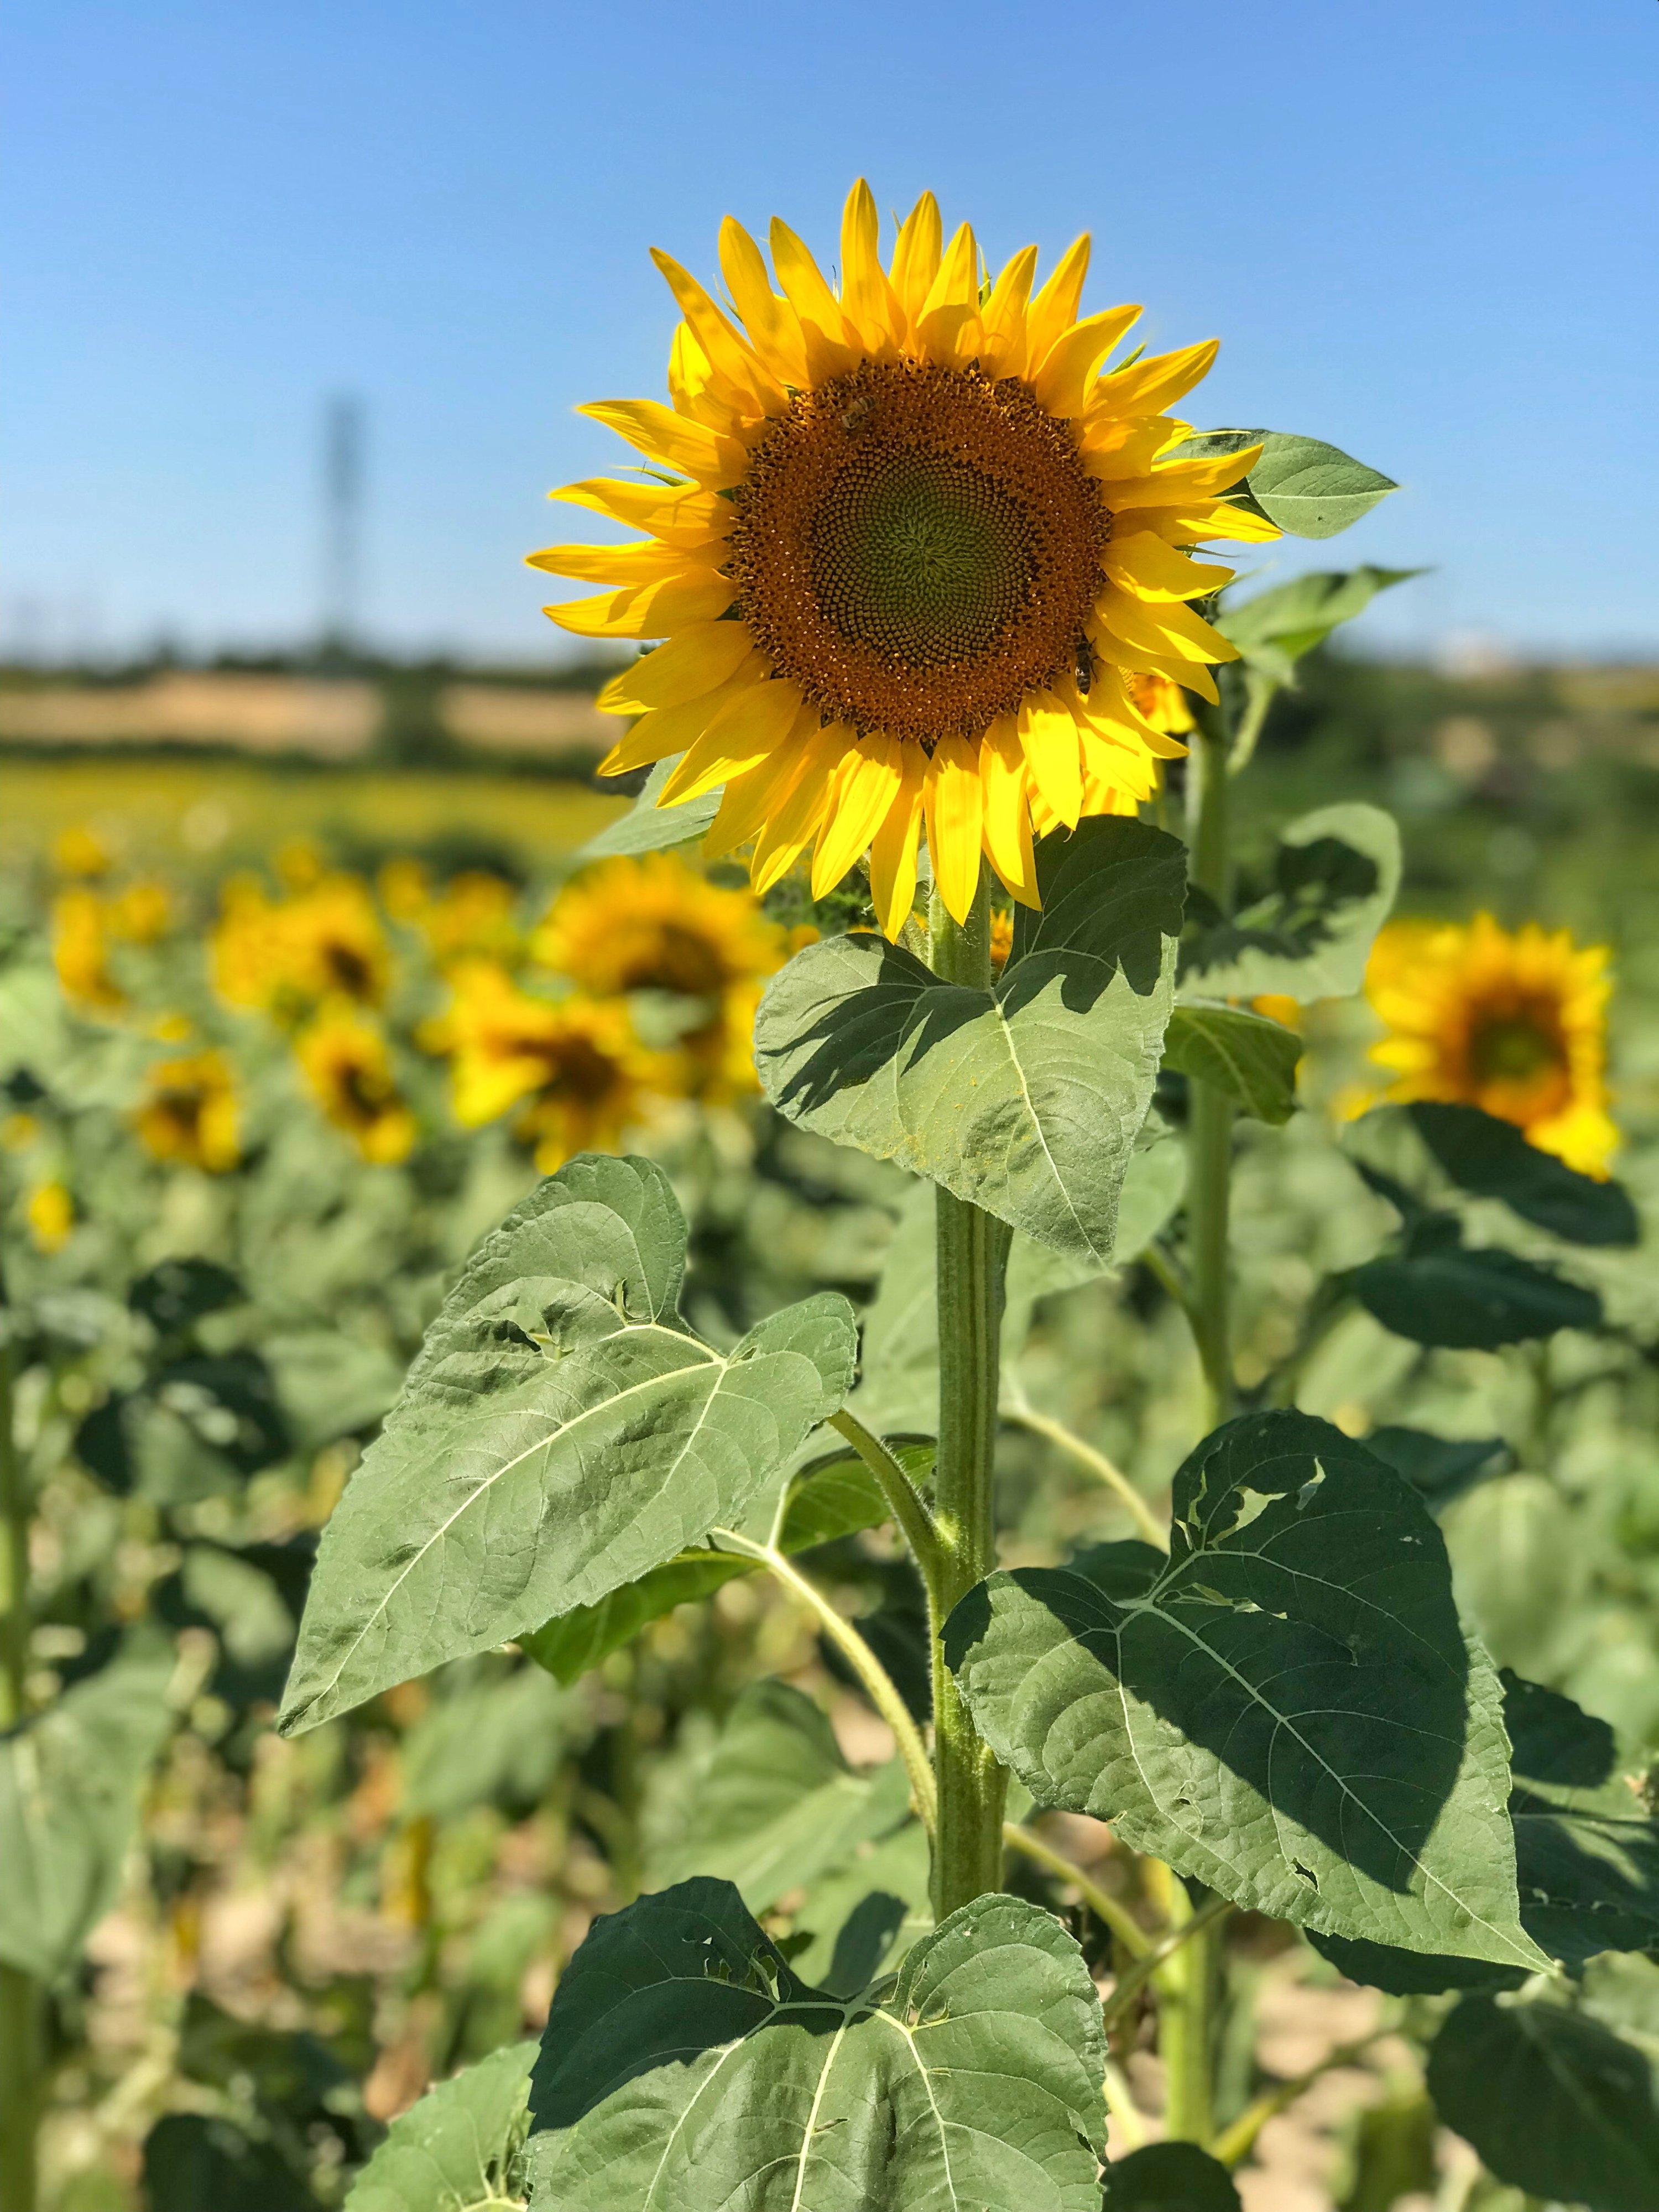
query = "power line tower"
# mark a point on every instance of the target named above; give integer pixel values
(343, 427)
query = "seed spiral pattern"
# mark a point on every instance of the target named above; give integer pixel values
(918, 548)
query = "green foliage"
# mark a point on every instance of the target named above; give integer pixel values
(69, 1780)
(1310, 490)
(1492, 1158)
(1247, 1058)
(1275, 628)
(1334, 877)
(1170, 2176)
(1024, 1100)
(194, 2162)
(1552, 2101)
(683, 2057)
(649, 827)
(561, 1432)
(1436, 1289)
(1439, 1468)
(458, 2149)
(1286, 1708)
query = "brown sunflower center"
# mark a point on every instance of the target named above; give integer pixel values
(917, 548)
(1514, 1048)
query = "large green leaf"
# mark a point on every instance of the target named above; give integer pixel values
(684, 2064)
(866, 1914)
(197, 2162)
(1439, 1468)
(561, 1433)
(1442, 1292)
(1250, 1060)
(1025, 1099)
(1334, 878)
(458, 2149)
(1275, 629)
(69, 1783)
(1492, 1158)
(1310, 490)
(778, 1807)
(649, 827)
(1286, 1708)
(1170, 2176)
(1554, 2102)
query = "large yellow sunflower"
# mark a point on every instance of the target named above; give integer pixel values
(654, 924)
(906, 546)
(1514, 1023)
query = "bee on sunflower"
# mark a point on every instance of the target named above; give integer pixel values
(190, 1112)
(1513, 1023)
(573, 1067)
(906, 547)
(346, 1061)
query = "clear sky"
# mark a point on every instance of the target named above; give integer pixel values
(1423, 229)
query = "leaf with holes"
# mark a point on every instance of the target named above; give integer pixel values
(684, 2064)
(1247, 1058)
(561, 1433)
(1025, 1099)
(459, 2148)
(1286, 1708)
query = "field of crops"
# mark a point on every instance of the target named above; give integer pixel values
(278, 1047)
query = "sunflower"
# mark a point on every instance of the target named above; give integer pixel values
(347, 1063)
(906, 543)
(189, 1112)
(51, 1216)
(1163, 701)
(81, 937)
(1514, 1023)
(656, 925)
(573, 1066)
(288, 957)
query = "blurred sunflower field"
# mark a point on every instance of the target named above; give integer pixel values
(257, 1106)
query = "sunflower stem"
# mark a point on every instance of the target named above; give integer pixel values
(971, 1255)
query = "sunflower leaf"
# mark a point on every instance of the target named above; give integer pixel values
(458, 2149)
(1275, 628)
(649, 827)
(560, 1433)
(1491, 1158)
(1466, 1297)
(1286, 1708)
(1336, 875)
(1554, 2102)
(976, 2083)
(1247, 1058)
(1170, 2176)
(1025, 1099)
(1310, 490)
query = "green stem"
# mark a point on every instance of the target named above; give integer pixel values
(883, 1690)
(1235, 2143)
(1100, 1902)
(1186, 2023)
(1134, 1979)
(20, 1994)
(1104, 1470)
(910, 1508)
(971, 1254)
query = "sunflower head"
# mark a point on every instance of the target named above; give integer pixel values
(81, 937)
(51, 1216)
(909, 548)
(347, 1065)
(572, 1068)
(1513, 1023)
(288, 957)
(189, 1112)
(656, 923)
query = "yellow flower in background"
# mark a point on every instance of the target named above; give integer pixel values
(1164, 702)
(1514, 1023)
(1002, 938)
(18, 1132)
(288, 957)
(143, 912)
(912, 545)
(656, 923)
(79, 952)
(80, 851)
(1277, 1007)
(51, 1216)
(347, 1064)
(190, 1112)
(573, 1067)
(475, 915)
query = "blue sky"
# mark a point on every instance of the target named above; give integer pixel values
(1426, 232)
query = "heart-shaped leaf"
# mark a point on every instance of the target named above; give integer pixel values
(561, 1433)
(1025, 1099)
(1284, 1708)
(683, 2059)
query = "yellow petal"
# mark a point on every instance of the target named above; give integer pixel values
(1054, 308)
(1177, 482)
(956, 283)
(644, 610)
(1113, 450)
(746, 730)
(1109, 707)
(1171, 629)
(657, 507)
(1143, 565)
(666, 730)
(657, 431)
(650, 562)
(893, 848)
(867, 783)
(731, 360)
(750, 800)
(1049, 739)
(773, 326)
(916, 256)
(866, 295)
(823, 325)
(693, 661)
(791, 827)
(1008, 825)
(1215, 518)
(1148, 387)
(954, 799)
(1005, 315)
(1062, 380)
(1190, 675)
